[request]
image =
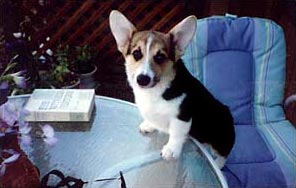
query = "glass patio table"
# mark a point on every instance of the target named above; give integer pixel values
(111, 143)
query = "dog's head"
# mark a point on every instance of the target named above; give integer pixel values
(150, 55)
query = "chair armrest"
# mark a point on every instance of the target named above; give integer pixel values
(280, 136)
(289, 100)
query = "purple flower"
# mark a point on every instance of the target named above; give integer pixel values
(8, 114)
(11, 117)
(21, 116)
(48, 135)
(50, 141)
(3, 128)
(24, 128)
(18, 79)
(25, 139)
(24, 131)
(13, 157)
(48, 131)
(4, 85)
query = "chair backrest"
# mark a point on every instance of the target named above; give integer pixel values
(242, 62)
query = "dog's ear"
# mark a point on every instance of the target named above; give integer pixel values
(122, 29)
(182, 33)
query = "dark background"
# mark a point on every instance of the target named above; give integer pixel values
(76, 22)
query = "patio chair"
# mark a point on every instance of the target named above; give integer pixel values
(242, 62)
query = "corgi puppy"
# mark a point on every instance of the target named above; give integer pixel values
(169, 98)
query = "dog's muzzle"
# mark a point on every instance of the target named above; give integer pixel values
(146, 81)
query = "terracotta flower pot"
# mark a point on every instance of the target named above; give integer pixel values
(20, 173)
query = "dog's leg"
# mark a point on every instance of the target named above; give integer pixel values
(145, 127)
(219, 159)
(178, 132)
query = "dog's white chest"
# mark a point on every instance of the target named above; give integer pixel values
(156, 110)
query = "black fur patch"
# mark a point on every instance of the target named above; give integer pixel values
(212, 121)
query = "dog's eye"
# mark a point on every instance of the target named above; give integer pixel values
(159, 58)
(137, 54)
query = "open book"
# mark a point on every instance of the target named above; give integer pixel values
(60, 105)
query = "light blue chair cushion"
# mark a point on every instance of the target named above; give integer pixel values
(245, 155)
(229, 85)
(242, 63)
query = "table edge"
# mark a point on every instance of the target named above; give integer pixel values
(212, 162)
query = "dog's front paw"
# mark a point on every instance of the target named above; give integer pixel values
(146, 128)
(170, 152)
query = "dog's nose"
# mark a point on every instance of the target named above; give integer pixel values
(143, 80)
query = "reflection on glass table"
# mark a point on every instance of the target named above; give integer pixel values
(111, 143)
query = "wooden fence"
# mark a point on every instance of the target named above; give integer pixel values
(86, 22)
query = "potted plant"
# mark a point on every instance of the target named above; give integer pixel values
(83, 65)
(60, 75)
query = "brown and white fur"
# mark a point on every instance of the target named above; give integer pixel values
(150, 60)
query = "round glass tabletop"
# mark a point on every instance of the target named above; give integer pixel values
(111, 143)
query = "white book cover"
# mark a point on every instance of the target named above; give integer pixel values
(60, 105)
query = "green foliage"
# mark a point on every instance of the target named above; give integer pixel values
(84, 53)
(60, 74)
(83, 62)
(67, 62)
(61, 66)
